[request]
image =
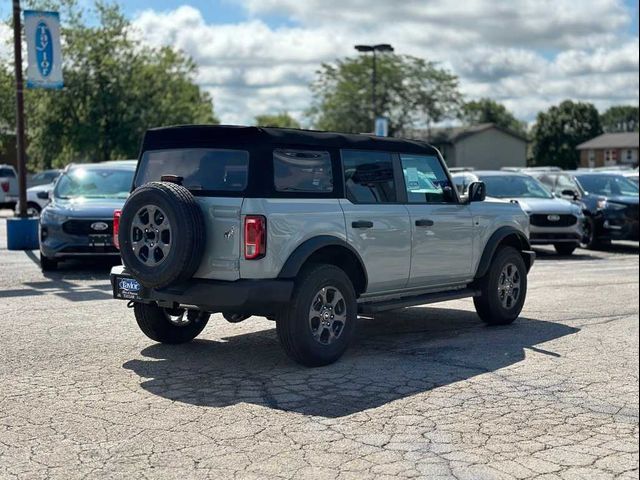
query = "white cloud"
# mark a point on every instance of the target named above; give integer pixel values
(527, 53)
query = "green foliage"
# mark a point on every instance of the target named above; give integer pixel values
(114, 90)
(560, 129)
(486, 110)
(409, 91)
(621, 118)
(282, 119)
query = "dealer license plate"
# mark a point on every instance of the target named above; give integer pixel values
(127, 288)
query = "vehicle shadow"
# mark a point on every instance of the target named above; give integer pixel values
(578, 254)
(63, 281)
(394, 356)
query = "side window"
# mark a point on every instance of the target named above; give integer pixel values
(565, 183)
(425, 179)
(368, 176)
(302, 171)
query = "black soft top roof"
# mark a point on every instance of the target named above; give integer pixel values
(185, 136)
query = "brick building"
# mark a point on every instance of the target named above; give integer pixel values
(610, 149)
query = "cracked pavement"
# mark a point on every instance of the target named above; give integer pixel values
(427, 392)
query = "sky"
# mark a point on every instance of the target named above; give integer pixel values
(259, 56)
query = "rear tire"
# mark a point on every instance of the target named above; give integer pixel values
(47, 264)
(565, 248)
(498, 286)
(317, 326)
(156, 323)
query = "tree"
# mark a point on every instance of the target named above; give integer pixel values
(620, 118)
(114, 90)
(409, 91)
(282, 119)
(560, 129)
(486, 110)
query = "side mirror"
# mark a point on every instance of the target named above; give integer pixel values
(43, 195)
(448, 195)
(570, 194)
(477, 192)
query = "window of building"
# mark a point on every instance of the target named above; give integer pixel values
(368, 176)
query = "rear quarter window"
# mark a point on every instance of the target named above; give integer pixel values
(302, 171)
(201, 169)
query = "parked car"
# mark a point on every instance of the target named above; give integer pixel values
(308, 229)
(37, 198)
(554, 221)
(610, 201)
(8, 186)
(79, 220)
(46, 177)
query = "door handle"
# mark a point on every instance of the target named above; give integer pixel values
(424, 222)
(362, 224)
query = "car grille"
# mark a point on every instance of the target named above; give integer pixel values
(632, 212)
(542, 220)
(83, 227)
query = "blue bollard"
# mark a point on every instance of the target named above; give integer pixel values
(22, 233)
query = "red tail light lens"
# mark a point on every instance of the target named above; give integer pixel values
(255, 237)
(5, 187)
(116, 227)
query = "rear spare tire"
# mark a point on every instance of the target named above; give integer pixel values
(162, 234)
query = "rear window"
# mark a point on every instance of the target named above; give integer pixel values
(302, 171)
(201, 168)
(7, 172)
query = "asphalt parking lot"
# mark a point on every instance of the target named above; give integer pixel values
(427, 392)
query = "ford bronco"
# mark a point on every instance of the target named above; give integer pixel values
(308, 229)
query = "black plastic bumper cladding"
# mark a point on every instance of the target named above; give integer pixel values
(256, 297)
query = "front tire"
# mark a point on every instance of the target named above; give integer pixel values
(172, 326)
(565, 248)
(317, 326)
(47, 264)
(503, 288)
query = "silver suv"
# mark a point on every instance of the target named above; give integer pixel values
(308, 229)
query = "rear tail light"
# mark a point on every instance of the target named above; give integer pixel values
(5, 187)
(255, 237)
(116, 227)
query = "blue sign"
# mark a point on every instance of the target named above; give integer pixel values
(42, 31)
(382, 127)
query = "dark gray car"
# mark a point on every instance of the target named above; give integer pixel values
(79, 220)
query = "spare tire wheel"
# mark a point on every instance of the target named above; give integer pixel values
(162, 234)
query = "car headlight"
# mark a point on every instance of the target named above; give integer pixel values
(50, 216)
(603, 204)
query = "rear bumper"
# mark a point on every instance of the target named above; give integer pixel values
(253, 297)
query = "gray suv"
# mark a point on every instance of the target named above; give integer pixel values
(308, 229)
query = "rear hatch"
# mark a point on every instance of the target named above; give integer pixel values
(217, 178)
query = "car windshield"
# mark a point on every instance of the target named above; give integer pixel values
(514, 186)
(608, 185)
(94, 183)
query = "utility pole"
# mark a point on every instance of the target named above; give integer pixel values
(383, 47)
(20, 137)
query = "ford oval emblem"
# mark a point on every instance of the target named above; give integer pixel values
(99, 226)
(44, 49)
(553, 218)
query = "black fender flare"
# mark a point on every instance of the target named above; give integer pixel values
(492, 245)
(307, 248)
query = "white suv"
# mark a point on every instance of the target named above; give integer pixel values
(308, 229)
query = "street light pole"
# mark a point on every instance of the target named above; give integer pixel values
(383, 47)
(20, 138)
